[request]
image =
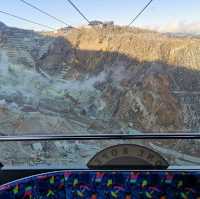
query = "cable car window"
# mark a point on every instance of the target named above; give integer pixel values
(99, 68)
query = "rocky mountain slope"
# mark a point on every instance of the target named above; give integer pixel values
(102, 79)
(158, 74)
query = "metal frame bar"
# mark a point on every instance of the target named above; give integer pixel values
(147, 136)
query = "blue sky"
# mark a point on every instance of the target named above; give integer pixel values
(159, 13)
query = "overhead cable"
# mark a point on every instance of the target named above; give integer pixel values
(136, 17)
(27, 20)
(44, 12)
(79, 11)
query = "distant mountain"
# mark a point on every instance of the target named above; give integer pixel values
(180, 34)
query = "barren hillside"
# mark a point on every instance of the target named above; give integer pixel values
(102, 79)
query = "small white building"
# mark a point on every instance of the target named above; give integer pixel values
(66, 29)
(101, 24)
(108, 23)
(95, 23)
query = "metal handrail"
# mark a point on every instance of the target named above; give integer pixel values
(151, 136)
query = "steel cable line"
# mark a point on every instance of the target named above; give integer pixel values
(27, 20)
(44, 12)
(135, 18)
(78, 10)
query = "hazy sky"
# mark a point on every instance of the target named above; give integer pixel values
(161, 14)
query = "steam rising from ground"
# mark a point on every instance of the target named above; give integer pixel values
(17, 78)
(21, 86)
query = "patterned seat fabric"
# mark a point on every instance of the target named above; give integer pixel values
(108, 185)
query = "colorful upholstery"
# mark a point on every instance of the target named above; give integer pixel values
(108, 185)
